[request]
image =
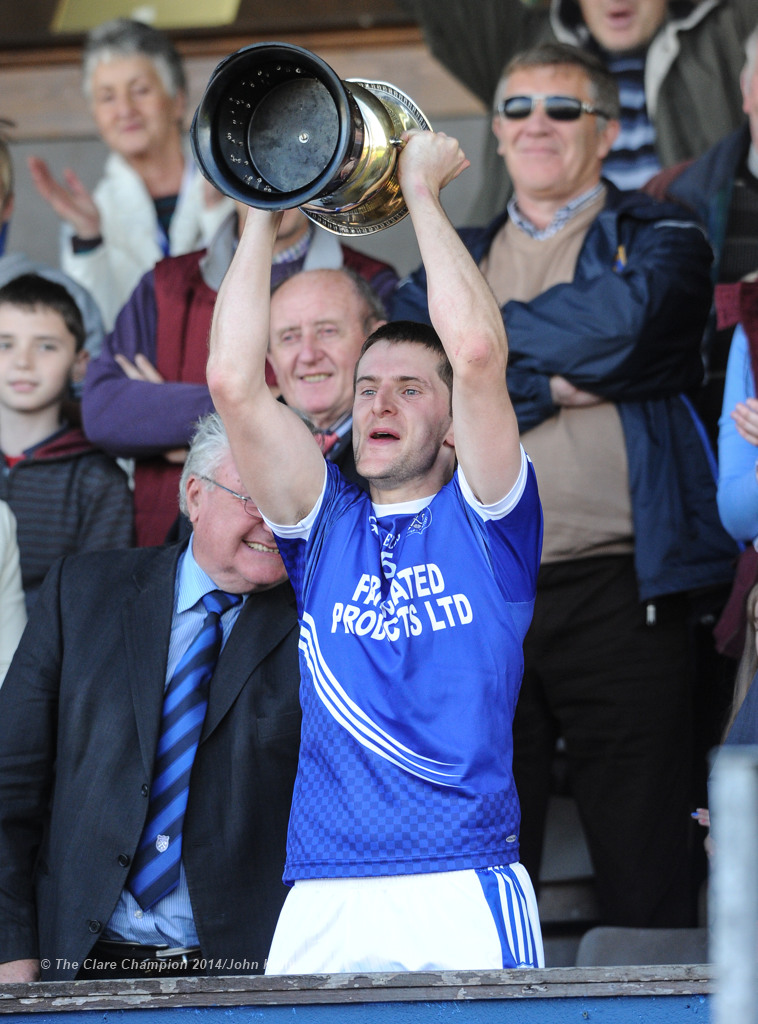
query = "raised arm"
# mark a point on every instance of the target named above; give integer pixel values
(279, 462)
(465, 314)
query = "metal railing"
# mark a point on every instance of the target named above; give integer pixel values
(733, 888)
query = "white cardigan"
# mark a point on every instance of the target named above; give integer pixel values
(129, 227)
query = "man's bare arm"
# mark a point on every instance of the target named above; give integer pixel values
(278, 460)
(466, 316)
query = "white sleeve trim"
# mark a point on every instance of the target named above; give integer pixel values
(501, 508)
(301, 530)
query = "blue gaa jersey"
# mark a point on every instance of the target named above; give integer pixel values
(412, 622)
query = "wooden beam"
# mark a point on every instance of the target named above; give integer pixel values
(41, 90)
(422, 987)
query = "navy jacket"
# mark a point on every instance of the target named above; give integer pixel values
(627, 328)
(706, 184)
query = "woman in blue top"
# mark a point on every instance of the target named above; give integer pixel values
(738, 444)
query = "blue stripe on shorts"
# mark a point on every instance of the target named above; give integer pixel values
(510, 911)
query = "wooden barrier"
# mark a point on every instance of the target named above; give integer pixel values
(611, 995)
(41, 91)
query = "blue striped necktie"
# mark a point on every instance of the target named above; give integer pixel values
(155, 870)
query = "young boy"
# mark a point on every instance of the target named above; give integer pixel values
(66, 495)
(14, 263)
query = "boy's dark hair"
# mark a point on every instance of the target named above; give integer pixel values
(412, 333)
(31, 291)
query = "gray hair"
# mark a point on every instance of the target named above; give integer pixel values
(125, 37)
(208, 449)
(751, 46)
(604, 89)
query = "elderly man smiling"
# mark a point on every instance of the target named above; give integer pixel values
(319, 321)
(147, 388)
(149, 729)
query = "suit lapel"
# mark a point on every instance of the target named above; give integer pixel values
(262, 624)
(146, 622)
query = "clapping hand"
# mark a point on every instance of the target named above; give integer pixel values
(70, 199)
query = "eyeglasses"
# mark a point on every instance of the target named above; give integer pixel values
(557, 108)
(247, 503)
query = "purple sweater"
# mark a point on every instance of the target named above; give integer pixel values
(132, 417)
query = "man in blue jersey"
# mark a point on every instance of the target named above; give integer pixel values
(413, 604)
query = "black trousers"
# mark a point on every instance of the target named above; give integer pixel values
(616, 687)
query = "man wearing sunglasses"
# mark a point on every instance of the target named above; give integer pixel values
(100, 709)
(604, 295)
(677, 65)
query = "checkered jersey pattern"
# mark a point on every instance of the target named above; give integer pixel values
(411, 658)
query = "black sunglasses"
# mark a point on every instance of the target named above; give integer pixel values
(557, 108)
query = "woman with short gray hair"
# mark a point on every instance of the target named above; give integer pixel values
(151, 201)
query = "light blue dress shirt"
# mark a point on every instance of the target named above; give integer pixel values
(170, 920)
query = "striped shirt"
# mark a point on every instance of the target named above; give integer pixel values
(632, 160)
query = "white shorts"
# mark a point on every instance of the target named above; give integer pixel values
(450, 920)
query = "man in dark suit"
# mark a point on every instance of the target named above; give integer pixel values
(80, 716)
